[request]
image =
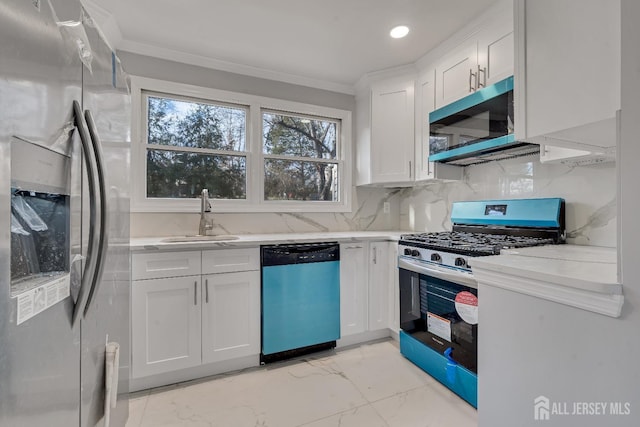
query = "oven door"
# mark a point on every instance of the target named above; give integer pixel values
(439, 308)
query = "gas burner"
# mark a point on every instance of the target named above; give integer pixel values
(470, 243)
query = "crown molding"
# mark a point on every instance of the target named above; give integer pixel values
(216, 64)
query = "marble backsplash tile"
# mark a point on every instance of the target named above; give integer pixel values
(367, 214)
(589, 192)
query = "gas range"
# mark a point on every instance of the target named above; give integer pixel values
(483, 228)
(438, 293)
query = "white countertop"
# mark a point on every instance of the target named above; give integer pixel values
(158, 243)
(580, 276)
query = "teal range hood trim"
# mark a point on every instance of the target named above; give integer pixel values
(475, 98)
(476, 147)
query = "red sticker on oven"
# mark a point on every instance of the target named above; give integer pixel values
(467, 307)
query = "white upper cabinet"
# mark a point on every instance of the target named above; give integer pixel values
(425, 103)
(392, 140)
(482, 59)
(457, 73)
(495, 52)
(393, 106)
(567, 81)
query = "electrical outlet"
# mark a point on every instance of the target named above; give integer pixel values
(386, 207)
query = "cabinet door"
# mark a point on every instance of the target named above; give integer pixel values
(572, 63)
(379, 283)
(495, 55)
(353, 288)
(456, 74)
(165, 325)
(392, 138)
(425, 103)
(230, 315)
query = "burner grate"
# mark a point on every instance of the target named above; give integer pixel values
(469, 243)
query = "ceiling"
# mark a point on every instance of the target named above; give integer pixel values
(329, 44)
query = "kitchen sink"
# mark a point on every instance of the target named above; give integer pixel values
(200, 238)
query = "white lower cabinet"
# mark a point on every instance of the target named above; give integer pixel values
(165, 325)
(366, 286)
(191, 323)
(380, 280)
(353, 288)
(230, 315)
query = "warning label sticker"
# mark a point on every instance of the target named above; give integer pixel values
(439, 326)
(467, 307)
(39, 299)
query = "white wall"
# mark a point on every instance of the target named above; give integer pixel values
(589, 192)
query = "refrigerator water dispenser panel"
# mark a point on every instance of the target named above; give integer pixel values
(40, 228)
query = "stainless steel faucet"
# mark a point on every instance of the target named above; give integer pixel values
(206, 222)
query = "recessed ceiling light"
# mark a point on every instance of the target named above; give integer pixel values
(399, 32)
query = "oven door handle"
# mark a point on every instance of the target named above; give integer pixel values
(460, 278)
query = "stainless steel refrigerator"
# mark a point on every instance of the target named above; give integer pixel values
(64, 219)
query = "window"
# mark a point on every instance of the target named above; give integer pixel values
(253, 154)
(299, 157)
(193, 145)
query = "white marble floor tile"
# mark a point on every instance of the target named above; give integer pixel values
(380, 371)
(356, 417)
(429, 406)
(136, 410)
(328, 389)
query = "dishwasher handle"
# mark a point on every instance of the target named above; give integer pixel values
(299, 254)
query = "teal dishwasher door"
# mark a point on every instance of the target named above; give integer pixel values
(300, 305)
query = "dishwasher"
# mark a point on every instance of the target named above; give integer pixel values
(300, 299)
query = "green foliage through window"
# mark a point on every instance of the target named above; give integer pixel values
(313, 141)
(187, 149)
(195, 144)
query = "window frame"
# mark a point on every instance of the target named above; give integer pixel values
(253, 150)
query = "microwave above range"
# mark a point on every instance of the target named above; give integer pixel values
(477, 128)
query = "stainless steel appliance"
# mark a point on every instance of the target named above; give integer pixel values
(439, 299)
(64, 219)
(477, 128)
(300, 299)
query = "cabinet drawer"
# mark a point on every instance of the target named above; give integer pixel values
(230, 260)
(165, 264)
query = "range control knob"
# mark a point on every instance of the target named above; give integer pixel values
(407, 251)
(436, 258)
(460, 262)
(415, 253)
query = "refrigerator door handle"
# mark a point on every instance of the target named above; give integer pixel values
(89, 266)
(103, 237)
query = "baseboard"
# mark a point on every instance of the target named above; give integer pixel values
(362, 337)
(197, 372)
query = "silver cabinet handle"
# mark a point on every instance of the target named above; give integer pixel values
(410, 169)
(375, 255)
(195, 293)
(206, 290)
(482, 70)
(472, 87)
(353, 247)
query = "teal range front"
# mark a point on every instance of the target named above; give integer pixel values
(300, 301)
(530, 213)
(456, 378)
